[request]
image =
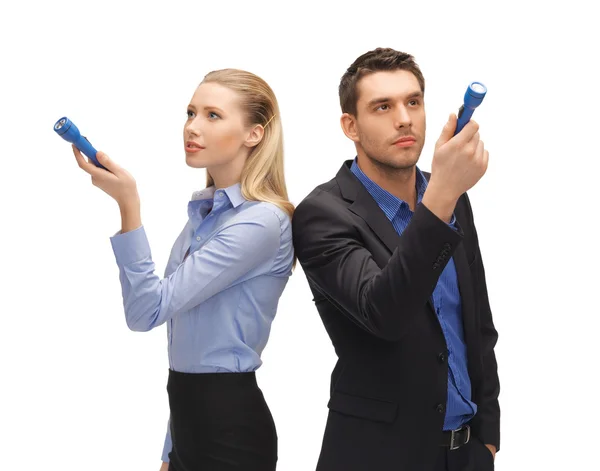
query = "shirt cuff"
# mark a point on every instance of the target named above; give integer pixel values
(167, 448)
(452, 222)
(130, 247)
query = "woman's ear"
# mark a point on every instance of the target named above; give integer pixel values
(255, 136)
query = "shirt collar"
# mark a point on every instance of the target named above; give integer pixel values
(389, 203)
(233, 194)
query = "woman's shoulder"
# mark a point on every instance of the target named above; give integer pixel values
(276, 225)
(266, 210)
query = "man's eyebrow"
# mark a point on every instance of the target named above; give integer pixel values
(417, 94)
(378, 101)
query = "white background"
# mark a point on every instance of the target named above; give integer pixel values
(80, 391)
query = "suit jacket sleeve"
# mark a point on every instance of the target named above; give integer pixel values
(384, 300)
(486, 423)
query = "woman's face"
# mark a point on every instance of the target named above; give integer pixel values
(215, 134)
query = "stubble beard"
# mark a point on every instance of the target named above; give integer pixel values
(388, 165)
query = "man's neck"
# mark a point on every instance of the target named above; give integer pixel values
(399, 182)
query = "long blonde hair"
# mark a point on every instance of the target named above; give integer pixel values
(263, 176)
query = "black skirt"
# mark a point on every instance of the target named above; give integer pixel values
(220, 422)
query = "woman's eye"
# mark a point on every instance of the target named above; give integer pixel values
(213, 115)
(190, 113)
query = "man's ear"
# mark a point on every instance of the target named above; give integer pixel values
(348, 123)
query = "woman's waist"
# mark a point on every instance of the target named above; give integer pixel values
(234, 357)
(210, 388)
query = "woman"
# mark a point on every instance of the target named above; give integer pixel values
(224, 277)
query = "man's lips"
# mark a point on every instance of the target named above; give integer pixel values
(405, 141)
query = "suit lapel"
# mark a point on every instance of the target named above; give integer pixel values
(364, 206)
(368, 209)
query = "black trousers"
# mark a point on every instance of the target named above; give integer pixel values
(474, 456)
(220, 422)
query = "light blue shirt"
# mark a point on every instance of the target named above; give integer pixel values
(220, 301)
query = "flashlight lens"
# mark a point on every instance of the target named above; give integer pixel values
(60, 124)
(478, 88)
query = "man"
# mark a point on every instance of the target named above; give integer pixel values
(393, 261)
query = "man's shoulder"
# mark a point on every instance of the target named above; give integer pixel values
(327, 191)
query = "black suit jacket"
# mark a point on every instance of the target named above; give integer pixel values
(373, 290)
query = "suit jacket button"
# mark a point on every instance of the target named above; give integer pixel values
(442, 357)
(440, 408)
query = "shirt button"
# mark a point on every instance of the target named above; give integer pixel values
(440, 408)
(198, 238)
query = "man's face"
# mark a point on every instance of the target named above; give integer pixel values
(389, 126)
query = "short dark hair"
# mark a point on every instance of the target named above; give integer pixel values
(377, 60)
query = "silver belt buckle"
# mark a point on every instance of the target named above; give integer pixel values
(454, 433)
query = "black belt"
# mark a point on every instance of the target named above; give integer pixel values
(456, 438)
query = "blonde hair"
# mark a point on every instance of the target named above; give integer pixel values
(262, 177)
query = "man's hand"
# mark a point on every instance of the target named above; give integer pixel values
(458, 164)
(492, 449)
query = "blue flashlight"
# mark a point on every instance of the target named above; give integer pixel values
(66, 129)
(473, 98)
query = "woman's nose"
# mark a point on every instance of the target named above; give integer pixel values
(192, 130)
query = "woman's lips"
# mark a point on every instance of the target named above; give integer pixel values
(193, 147)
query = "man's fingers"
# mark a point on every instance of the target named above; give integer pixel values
(467, 133)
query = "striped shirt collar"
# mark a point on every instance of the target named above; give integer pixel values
(389, 203)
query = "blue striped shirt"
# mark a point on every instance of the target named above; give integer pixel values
(446, 300)
(220, 300)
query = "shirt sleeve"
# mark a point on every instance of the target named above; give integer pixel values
(168, 446)
(242, 249)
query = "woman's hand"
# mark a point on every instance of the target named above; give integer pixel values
(164, 466)
(116, 182)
